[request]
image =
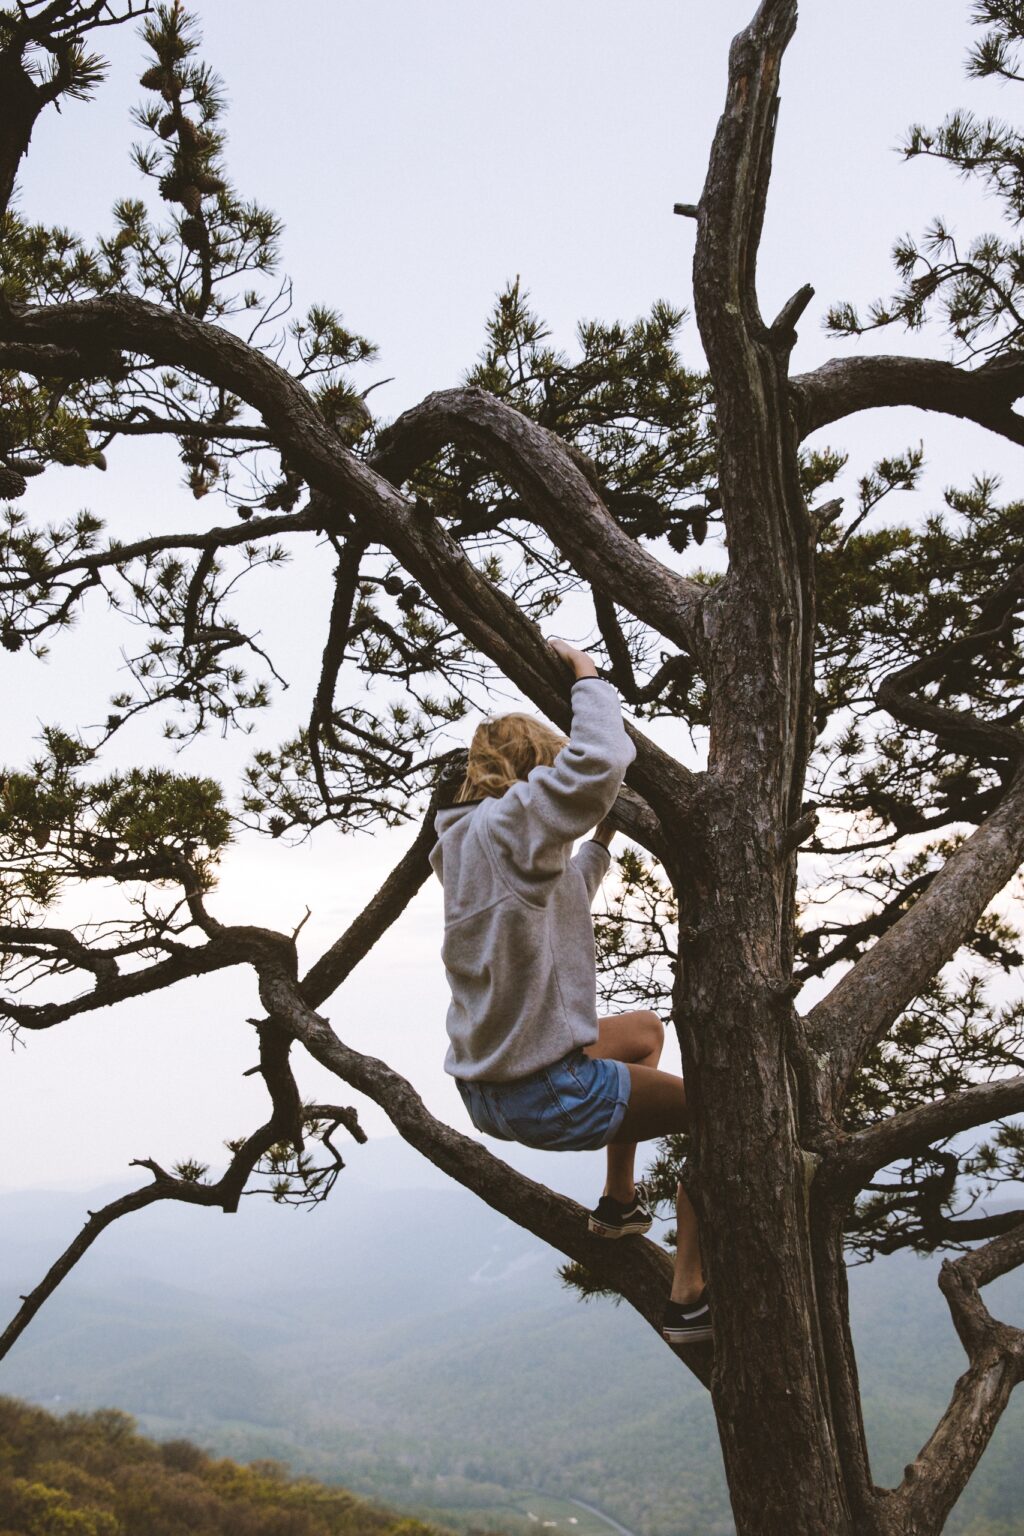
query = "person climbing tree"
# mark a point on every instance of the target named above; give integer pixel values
(532, 1060)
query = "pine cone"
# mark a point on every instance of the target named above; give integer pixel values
(170, 189)
(192, 231)
(192, 199)
(155, 78)
(207, 182)
(10, 639)
(12, 485)
(167, 125)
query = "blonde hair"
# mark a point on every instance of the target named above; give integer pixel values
(504, 749)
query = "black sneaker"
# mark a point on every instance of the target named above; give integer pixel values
(610, 1218)
(688, 1322)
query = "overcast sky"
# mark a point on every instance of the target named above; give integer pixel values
(421, 155)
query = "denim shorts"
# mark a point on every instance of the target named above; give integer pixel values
(574, 1105)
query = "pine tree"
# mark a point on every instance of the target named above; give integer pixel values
(858, 684)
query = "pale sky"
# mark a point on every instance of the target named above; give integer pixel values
(420, 156)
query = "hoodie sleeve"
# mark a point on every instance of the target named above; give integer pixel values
(593, 860)
(533, 825)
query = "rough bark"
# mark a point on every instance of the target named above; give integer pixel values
(847, 385)
(770, 1383)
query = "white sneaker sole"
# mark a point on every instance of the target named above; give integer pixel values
(677, 1336)
(600, 1230)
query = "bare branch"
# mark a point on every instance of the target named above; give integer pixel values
(346, 587)
(841, 388)
(215, 431)
(381, 911)
(731, 209)
(937, 1476)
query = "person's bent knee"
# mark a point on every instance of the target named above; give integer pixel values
(654, 1031)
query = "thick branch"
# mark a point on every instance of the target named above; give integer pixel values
(867, 1001)
(859, 1156)
(841, 388)
(731, 209)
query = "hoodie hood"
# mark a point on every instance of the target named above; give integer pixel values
(449, 815)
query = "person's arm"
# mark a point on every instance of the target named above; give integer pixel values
(593, 861)
(593, 858)
(533, 825)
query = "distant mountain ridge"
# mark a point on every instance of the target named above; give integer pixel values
(413, 1344)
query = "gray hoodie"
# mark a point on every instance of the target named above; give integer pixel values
(518, 944)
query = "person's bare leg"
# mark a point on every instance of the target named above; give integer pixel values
(657, 1107)
(636, 1037)
(688, 1271)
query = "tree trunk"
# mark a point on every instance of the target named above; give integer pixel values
(739, 1032)
(769, 1386)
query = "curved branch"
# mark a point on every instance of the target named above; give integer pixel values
(213, 539)
(198, 960)
(224, 1195)
(557, 494)
(940, 1471)
(847, 385)
(964, 731)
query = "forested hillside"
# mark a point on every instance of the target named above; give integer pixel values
(92, 1475)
